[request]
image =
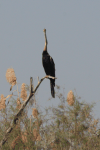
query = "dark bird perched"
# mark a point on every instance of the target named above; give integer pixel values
(48, 65)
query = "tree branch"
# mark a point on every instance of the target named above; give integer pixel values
(14, 122)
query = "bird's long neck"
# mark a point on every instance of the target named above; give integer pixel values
(46, 42)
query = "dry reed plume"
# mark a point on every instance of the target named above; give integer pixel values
(14, 142)
(18, 103)
(37, 137)
(35, 113)
(70, 98)
(24, 137)
(35, 133)
(10, 77)
(2, 102)
(23, 92)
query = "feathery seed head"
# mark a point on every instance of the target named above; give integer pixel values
(70, 98)
(2, 102)
(38, 138)
(10, 76)
(2, 97)
(35, 113)
(23, 92)
(35, 133)
(24, 137)
(15, 141)
(18, 103)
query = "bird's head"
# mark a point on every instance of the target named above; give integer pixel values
(44, 30)
(46, 42)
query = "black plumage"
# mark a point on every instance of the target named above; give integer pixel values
(48, 65)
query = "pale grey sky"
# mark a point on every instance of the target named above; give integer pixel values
(73, 32)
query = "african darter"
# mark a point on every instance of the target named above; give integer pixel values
(48, 65)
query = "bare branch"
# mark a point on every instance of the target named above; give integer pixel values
(14, 122)
(51, 77)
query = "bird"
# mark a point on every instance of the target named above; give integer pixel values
(49, 65)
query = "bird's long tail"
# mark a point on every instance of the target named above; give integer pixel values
(52, 85)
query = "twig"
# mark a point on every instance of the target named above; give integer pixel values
(50, 77)
(38, 79)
